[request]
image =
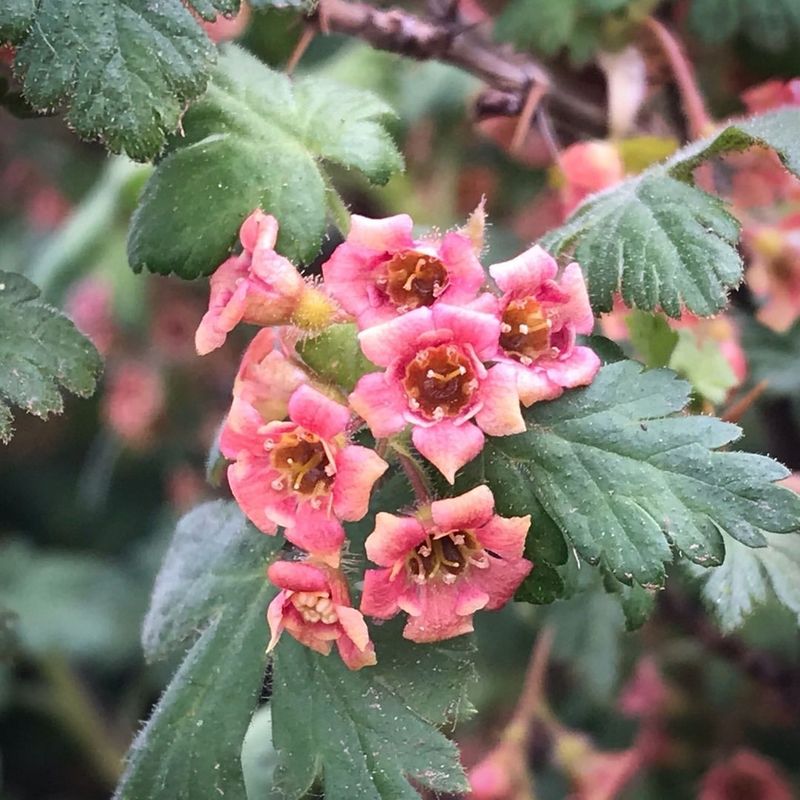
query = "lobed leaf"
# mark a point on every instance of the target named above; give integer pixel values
(40, 350)
(625, 478)
(212, 587)
(663, 243)
(255, 139)
(365, 734)
(123, 69)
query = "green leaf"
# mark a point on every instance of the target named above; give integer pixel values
(773, 357)
(124, 69)
(364, 734)
(660, 241)
(750, 577)
(40, 349)
(704, 365)
(624, 477)
(76, 605)
(335, 355)
(212, 583)
(541, 24)
(16, 17)
(772, 25)
(259, 758)
(652, 337)
(255, 139)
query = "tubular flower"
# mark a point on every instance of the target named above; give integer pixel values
(380, 271)
(455, 557)
(436, 381)
(301, 474)
(313, 605)
(267, 378)
(258, 286)
(540, 318)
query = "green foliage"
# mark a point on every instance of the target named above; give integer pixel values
(363, 734)
(652, 337)
(259, 758)
(256, 138)
(772, 25)
(580, 26)
(750, 577)
(40, 349)
(124, 69)
(99, 608)
(624, 477)
(773, 357)
(212, 583)
(704, 365)
(336, 356)
(660, 241)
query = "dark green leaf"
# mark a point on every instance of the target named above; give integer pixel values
(624, 477)
(40, 350)
(212, 584)
(363, 734)
(663, 243)
(772, 25)
(16, 17)
(256, 138)
(336, 356)
(750, 577)
(773, 357)
(123, 68)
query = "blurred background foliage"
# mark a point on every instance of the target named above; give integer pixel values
(89, 499)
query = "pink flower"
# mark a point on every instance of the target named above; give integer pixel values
(588, 167)
(645, 695)
(455, 557)
(436, 381)
(259, 286)
(540, 318)
(771, 94)
(267, 378)
(301, 474)
(313, 605)
(90, 305)
(381, 271)
(604, 775)
(134, 400)
(745, 775)
(223, 28)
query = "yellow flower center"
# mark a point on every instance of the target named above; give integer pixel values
(303, 463)
(445, 557)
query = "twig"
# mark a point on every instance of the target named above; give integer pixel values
(532, 101)
(736, 410)
(511, 75)
(300, 48)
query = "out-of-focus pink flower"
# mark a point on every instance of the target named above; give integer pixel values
(133, 401)
(586, 168)
(773, 271)
(186, 487)
(744, 776)
(313, 606)
(223, 28)
(540, 318)
(451, 559)
(502, 775)
(436, 381)
(720, 329)
(603, 775)
(381, 271)
(267, 378)
(7, 54)
(772, 94)
(89, 304)
(792, 482)
(47, 208)
(301, 474)
(646, 694)
(259, 286)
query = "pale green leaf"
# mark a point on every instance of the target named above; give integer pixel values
(652, 337)
(704, 365)
(40, 350)
(255, 139)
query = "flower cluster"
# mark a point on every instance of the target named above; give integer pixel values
(455, 362)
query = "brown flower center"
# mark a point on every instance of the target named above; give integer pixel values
(445, 557)
(303, 463)
(414, 279)
(525, 331)
(315, 607)
(440, 381)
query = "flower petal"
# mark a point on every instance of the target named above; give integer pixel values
(448, 447)
(577, 370)
(379, 598)
(357, 469)
(525, 273)
(396, 338)
(259, 229)
(501, 579)
(317, 533)
(470, 510)
(480, 330)
(577, 309)
(505, 535)
(385, 235)
(534, 385)
(297, 576)
(438, 618)
(317, 413)
(275, 618)
(250, 484)
(393, 538)
(500, 414)
(464, 272)
(352, 656)
(380, 403)
(352, 622)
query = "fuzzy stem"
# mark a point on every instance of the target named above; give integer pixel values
(413, 471)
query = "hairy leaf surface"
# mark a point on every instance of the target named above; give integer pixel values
(663, 243)
(40, 350)
(623, 476)
(256, 138)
